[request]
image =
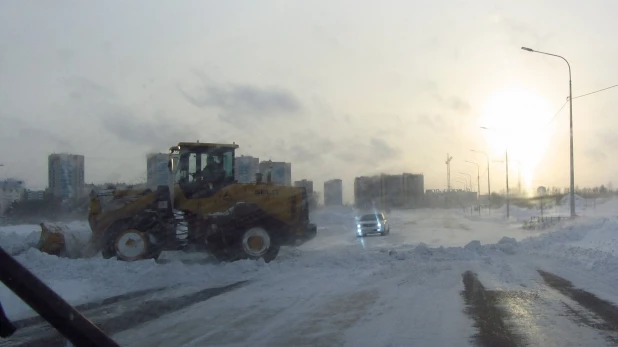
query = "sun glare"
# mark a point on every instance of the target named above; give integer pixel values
(517, 119)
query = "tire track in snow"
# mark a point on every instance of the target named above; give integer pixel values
(490, 318)
(113, 318)
(602, 315)
(30, 321)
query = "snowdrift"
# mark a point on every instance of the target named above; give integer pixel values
(419, 238)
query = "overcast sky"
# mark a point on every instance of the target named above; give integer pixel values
(338, 88)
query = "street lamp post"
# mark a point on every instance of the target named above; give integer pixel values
(508, 202)
(507, 184)
(572, 191)
(507, 181)
(478, 183)
(488, 180)
(469, 178)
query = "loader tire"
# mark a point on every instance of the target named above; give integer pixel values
(256, 242)
(129, 244)
(253, 243)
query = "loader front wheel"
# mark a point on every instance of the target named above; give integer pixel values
(131, 245)
(257, 243)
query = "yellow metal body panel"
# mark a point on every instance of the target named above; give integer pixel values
(276, 201)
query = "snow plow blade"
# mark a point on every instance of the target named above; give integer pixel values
(62, 241)
(52, 240)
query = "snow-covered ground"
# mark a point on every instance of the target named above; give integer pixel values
(403, 289)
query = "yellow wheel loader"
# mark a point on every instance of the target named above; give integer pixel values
(202, 207)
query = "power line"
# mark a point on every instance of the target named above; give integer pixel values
(557, 113)
(576, 97)
(596, 91)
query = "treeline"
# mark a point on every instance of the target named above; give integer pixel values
(555, 195)
(49, 208)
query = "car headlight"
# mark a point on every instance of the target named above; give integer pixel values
(358, 226)
(379, 225)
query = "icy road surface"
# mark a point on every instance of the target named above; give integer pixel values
(441, 278)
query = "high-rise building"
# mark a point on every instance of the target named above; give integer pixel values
(414, 188)
(11, 190)
(307, 184)
(157, 170)
(333, 192)
(35, 194)
(367, 191)
(311, 198)
(66, 175)
(246, 169)
(404, 190)
(281, 172)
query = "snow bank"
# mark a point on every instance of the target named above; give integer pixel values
(473, 245)
(579, 201)
(17, 239)
(418, 238)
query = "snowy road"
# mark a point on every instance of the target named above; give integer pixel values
(425, 284)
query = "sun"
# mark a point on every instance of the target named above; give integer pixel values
(517, 119)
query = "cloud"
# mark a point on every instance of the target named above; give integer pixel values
(154, 131)
(240, 102)
(23, 129)
(81, 88)
(454, 103)
(383, 149)
(596, 155)
(435, 122)
(518, 32)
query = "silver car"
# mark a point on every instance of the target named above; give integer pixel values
(373, 223)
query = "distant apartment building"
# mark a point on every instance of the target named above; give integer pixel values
(157, 170)
(281, 172)
(308, 185)
(404, 190)
(35, 194)
(66, 175)
(246, 169)
(453, 198)
(11, 190)
(333, 192)
(311, 198)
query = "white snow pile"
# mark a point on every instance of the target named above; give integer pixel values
(341, 216)
(507, 245)
(579, 201)
(17, 239)
(418, 239)
(588, 242)
(474, 245)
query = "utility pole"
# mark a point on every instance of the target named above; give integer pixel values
(519, 177)
(448, 172)
(488, 180)
(507, 185)
(469, 178)
(478, 183)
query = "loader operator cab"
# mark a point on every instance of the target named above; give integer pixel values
(202, 169)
